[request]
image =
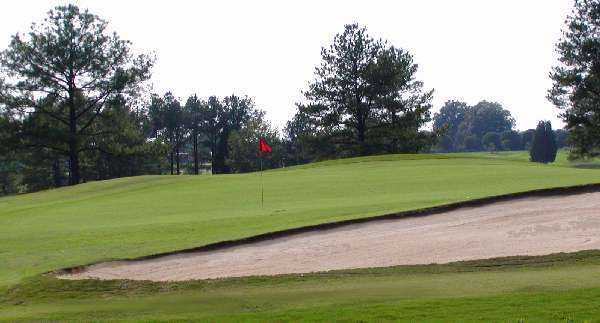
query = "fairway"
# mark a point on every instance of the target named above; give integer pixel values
(140, 216)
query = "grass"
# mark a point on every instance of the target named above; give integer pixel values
(131, 217)
(138, 216)
(548, 288)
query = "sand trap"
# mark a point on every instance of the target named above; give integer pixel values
(527, 226)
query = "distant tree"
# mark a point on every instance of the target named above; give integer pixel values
(576, 89)
(213, 119)
(365, 86)
(491, 141)
(450, 117)
(511, 140)
(40, 169)
(176, 126)
(219, 119)
(9, 164)
(169, 126)
(193, 117)
(340, 92)
(527, 138)
(400, 104)
(300, 136)
(9, 140)
(243, 145)
(237, 112)
(445, 144)
(562, 138)
(543, 149)
(123, 149)
(487, 117)
(472, 143)
(9, 170)
(459, 121)
(67, 68)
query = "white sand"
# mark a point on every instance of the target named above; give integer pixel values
(527, 226)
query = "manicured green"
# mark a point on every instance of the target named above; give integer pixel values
(555, 288)
(133, 217)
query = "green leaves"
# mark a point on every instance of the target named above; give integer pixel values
(543, 148)
(467, 126)
(365, 96)
(576, 88)
(68, 68)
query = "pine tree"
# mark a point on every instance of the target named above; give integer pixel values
(551, 147)
(543, 148)
(576, 88)
(67, 69)
(366, 97)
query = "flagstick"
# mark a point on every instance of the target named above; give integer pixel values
(262, 187)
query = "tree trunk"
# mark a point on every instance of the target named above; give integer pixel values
(196, 170)
(222, 153)
(395, 149)
(74, 176)
(213, 157)
(177, 158)
(99, 168)
(361, 129)
(360, 117)
(171, 158)
(56, 173)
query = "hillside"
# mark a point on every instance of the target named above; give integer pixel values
(132, 217)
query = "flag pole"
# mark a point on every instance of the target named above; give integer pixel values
(262, 187)
(263, 148)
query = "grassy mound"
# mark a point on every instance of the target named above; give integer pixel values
(132, 217)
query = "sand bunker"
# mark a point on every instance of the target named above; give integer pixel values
(526, 226)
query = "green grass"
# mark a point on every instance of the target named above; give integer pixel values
(131, 217)
(534, 289)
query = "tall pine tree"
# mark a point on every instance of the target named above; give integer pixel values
(576, 89)
(68, 68)
(365, 96)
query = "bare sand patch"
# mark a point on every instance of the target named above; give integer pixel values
(524, 226)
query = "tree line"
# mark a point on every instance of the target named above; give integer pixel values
(221, 131)
(75, 107)
(485, 126)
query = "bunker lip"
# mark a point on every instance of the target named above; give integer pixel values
(227, 244)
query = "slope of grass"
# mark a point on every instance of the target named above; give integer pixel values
(133, 217)
(555, 288)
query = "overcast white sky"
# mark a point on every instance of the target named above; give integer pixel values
(469, 50)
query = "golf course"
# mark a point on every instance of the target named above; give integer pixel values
(134, 217)
(300, 161)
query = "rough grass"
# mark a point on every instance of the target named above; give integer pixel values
(554, 288)
(131, 217)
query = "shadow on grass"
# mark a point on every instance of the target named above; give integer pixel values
(587, 165)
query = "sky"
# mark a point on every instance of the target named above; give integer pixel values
(467, 50)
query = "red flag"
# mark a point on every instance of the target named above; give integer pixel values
(263, 147)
